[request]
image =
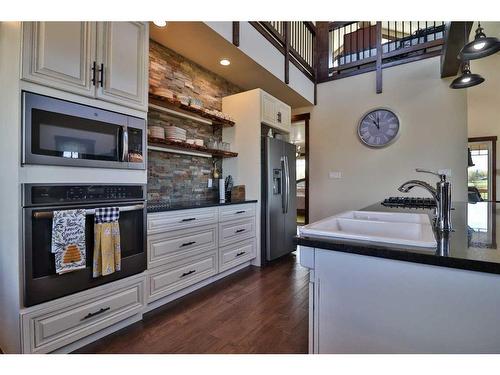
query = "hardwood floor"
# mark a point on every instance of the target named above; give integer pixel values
(254, 311)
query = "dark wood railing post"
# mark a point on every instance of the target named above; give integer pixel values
(322, 50)
(287, 51)
(236, 33)
(379, 57)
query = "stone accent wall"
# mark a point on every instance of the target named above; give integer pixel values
(175, 177)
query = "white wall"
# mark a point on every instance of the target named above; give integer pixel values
(10, 140)
(483, 101)
(433, 135)
(254, 45)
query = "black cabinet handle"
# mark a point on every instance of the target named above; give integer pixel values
(101, 75)
(90, 315)
(240, 212)
(189, 219)
(93, 72)
(239, 230)
(188, 243)
(188, 273)
(241, 253)
(279, 117)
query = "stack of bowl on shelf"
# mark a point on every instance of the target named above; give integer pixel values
(156, 132)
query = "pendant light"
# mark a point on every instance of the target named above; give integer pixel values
(481, 46)
(470, 163)
(466, 79)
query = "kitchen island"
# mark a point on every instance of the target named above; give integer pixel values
(367, 297)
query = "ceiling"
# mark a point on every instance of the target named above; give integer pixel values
(199, 43)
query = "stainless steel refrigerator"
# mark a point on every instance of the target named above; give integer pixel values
(279, 198)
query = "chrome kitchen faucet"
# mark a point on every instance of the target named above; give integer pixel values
(441, 194)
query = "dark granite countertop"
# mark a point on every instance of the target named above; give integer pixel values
(161, 206)
(471, 246)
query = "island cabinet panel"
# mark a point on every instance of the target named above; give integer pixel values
(60, 55)
(366, 304)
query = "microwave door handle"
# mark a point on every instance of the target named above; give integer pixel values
(124, 156)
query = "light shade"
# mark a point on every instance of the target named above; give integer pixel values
(470, 163)
(160, 23)
(481, 46)
(466, 79)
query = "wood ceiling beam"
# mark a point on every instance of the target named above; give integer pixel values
(456, 35)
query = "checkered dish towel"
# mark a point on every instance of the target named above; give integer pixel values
(107, 250)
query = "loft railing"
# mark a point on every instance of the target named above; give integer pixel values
(358, 46)
(295, 39)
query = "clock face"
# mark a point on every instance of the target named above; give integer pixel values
(378, 128)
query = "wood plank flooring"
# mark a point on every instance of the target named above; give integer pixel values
(257, 310)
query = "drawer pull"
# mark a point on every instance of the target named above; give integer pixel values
(240, 212)
(241, 253)
(188, 243)
(240, 230)
(188, 273)
(189, 219)
(90, 315)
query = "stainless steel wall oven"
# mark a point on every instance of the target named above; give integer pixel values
(41, 282)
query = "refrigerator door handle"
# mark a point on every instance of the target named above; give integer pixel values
(286, 183)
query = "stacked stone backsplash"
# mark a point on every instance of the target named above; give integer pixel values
(176, 177)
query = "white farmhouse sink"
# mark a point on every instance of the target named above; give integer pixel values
(385, 227)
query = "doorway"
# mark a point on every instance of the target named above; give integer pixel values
(300, 137)
(481, 173)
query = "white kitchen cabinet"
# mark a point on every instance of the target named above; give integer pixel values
(55, 324)
(102, 60)
(123, 54)
(275, 113)
(60, 55)
(187, 247)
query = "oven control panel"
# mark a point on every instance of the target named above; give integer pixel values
(51, 194)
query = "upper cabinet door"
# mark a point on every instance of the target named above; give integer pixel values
(123, 53)
(268, 109)
(59, 55)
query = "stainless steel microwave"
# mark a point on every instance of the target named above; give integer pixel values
(59, 132)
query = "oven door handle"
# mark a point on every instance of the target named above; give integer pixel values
(50, 214)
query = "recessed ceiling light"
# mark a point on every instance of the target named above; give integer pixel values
(225, 62)
(160, 23)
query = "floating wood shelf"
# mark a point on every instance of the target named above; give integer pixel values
(187, 111)
(185, 148)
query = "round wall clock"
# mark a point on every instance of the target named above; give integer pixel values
(378, 128)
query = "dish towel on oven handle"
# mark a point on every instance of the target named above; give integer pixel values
(68, 240)
(107, 249)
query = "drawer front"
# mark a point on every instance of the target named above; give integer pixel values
(237, 211)
(240, 252)
(171, 279)
(173, 220)
(173, 246)
(237, 230)
(51, 330)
